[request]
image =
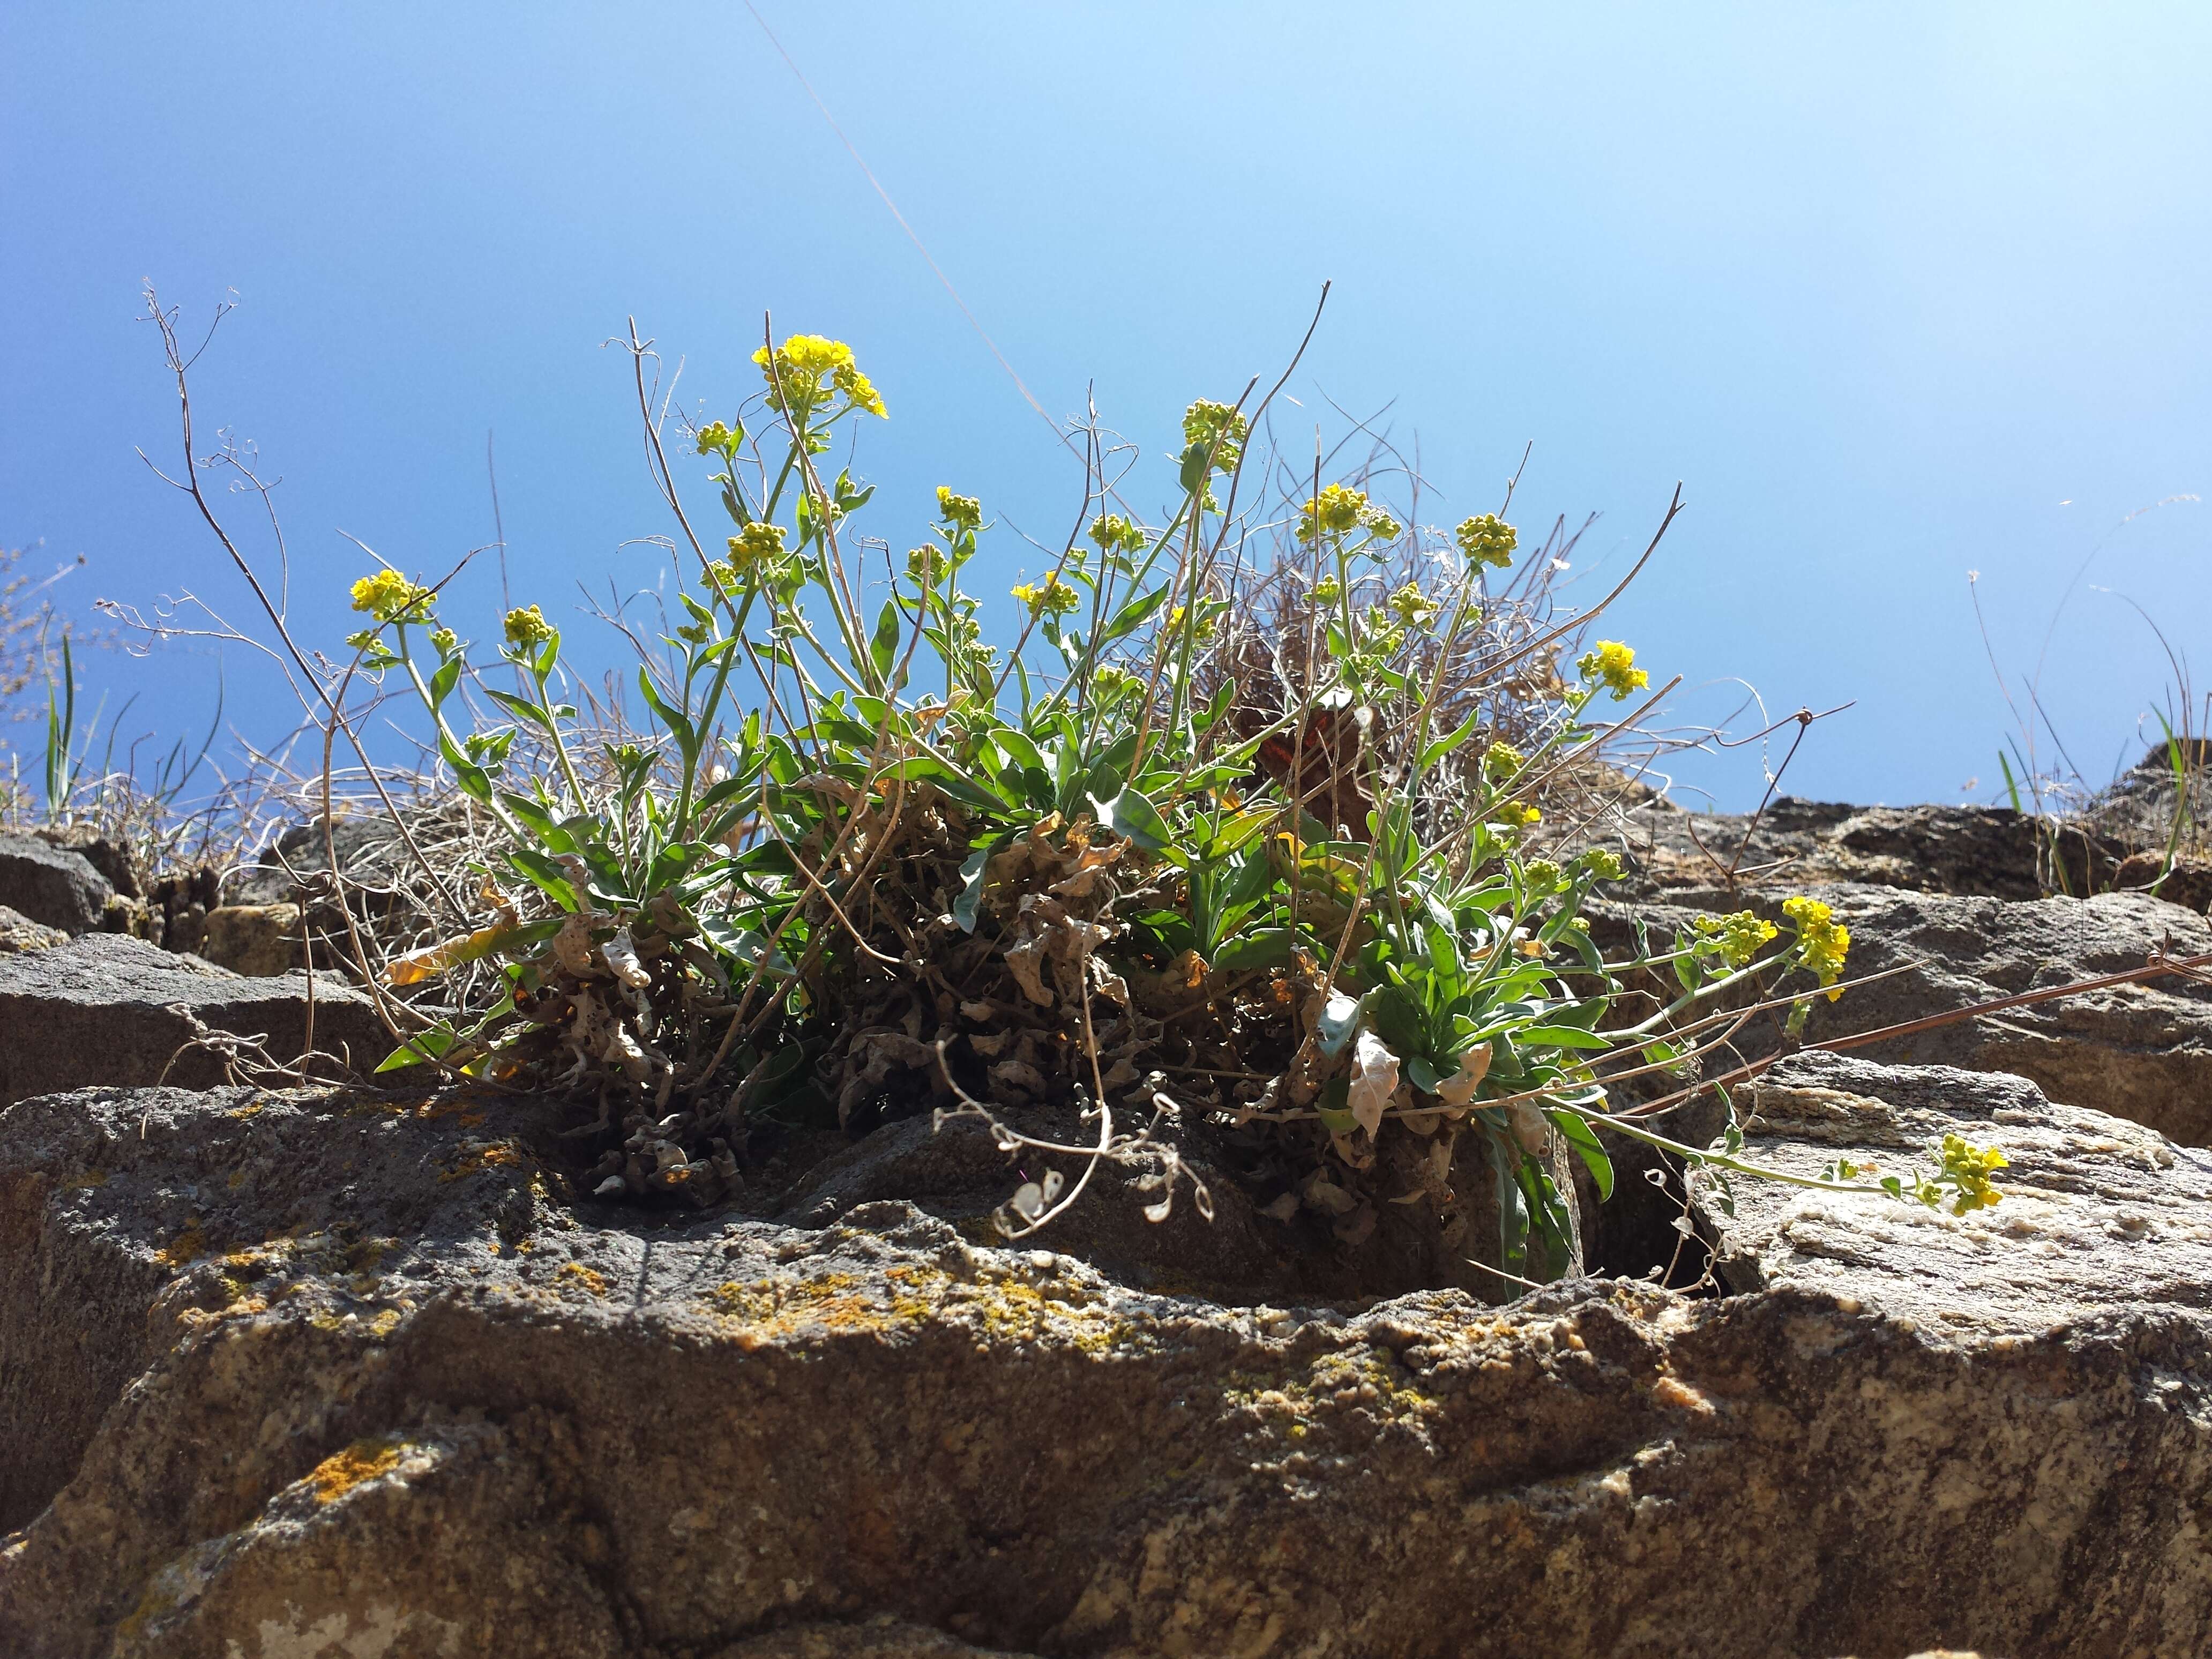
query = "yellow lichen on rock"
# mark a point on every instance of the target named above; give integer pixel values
(340, 1472)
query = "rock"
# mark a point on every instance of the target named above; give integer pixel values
(2098, 1216)
(113, 857)
(2137, 811)
(1985, 851)
(883, 1638)
(2142, 1052)
(386, 1389)
(109, 1009)
(958, 1175)
(19, 933)
(2184, 880)
(258, 940)
(52, 885)
(370, 850)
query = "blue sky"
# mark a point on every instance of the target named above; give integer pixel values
(1897, 292)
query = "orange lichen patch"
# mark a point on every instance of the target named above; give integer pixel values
(1671, 1391)
(84, 1183)
(480, 1155)
(589, 1279)
(187, 1246)
(251, 1110)
(364, 1459)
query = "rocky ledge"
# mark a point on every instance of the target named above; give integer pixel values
(350, 1374)
(329, 1373)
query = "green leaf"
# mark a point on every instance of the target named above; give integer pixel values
(1194, 468)
(448, 675)
(1332, 1108)
(1339, 1020)
(1584, 1141)
(420, 1049)
(971, 884)
(1561, 1037)
(1132, 816)
(884, 649)
(1018, 747)
(670, 716)
(1445, 745)
(1263, 947)
(521, 708)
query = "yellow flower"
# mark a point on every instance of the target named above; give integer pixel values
(1736, 939)
(1052, 596)
(1114, 533)
(1487, 540)
(444, 641)
(859, 391)
(1334, 512)
(1518, 814)
(390, 596)
(1218, 426)
(759, 543)
(526, 626)
(714, 439)
(1613, 665)
(1822, 942)
(1501, 761)
(1602, 864)
(797, 373)
(1208, 624)
(1412, 606)
(1970, 1167)
(961, 512)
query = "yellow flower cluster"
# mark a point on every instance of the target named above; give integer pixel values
(717, 438)
(1218, 426)
(801, 365)
(1970, 1167)
(1412, 607)
(1501, 761)
(758, 544)
(1602, 864)
(1338, 510)
(925, 564)
(1049, 597)
(525, 626)
(390, 596)
(1114, 533)
(1208, 623)
(1518, 814)
(1487, 540)
(1613, 665)
(1735, 939)
(961, 512)
(1822, 941)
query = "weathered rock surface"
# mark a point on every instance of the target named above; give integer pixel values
(386, 1397)
(19, 933)
(52, 885)
(1987, 851)
(258, 940)
(109, 1009)
(113, 857)
(369, 850)
(2098, 1216)
(2142, 1052)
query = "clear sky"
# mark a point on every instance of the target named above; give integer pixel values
(1896, 291)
